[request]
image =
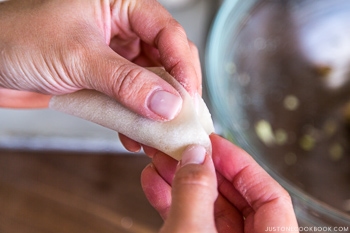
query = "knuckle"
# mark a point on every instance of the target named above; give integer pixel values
(285, 197)
(195, 177)
(126, 81)
(178, 28)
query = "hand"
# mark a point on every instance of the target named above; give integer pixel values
(57, 47)
(249, 199)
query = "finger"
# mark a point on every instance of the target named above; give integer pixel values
(135, 87)
(227, 218)
(129, 144)
(155, 26)
(156, 180)
(165, 165)
(127, 48)
(234, 164)
(232, 195)
(157, 190)
(23, 99)
(271, 203)
(194, 192)
(136, 50)
(148, 56)
(149, 151)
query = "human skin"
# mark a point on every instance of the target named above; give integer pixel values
(186, 197)
(55, 47)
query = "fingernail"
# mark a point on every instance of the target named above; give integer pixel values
(193, 155)
(165, 104)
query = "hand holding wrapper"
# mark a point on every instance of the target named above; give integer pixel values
(192, 125)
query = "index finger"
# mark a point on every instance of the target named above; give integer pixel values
(265, 200)
(155, 26)
(246, 175)
(22, 99)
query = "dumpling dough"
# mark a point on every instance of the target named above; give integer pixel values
(191, 126)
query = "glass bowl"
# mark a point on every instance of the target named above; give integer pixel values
(278, 77)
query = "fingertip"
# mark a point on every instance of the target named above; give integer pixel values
(129, 144)
(196, 167)
(147, 173)
(194, 154)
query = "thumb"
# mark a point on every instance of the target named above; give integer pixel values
(194, 191)
(137, 88)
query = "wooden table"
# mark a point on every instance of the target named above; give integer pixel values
(44, 192)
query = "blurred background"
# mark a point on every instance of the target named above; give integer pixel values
(59, 173)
